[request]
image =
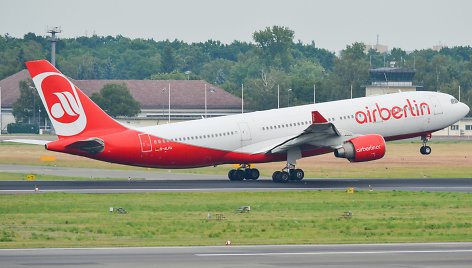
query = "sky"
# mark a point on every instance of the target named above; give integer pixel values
(331, 24)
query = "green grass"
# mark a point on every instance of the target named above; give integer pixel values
(171, 219)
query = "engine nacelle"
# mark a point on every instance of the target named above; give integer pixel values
(363, 148)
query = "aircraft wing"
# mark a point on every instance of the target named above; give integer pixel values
(320, 134)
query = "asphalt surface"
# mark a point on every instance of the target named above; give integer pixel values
(224, 185)
(152, 181)
(373, 255)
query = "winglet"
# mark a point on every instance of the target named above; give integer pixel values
(317, 118)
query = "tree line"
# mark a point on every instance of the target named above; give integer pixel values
(274, 60)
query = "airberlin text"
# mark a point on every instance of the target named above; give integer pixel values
(378, 113)
(368, 148)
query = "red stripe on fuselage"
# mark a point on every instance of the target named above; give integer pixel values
(126, 148)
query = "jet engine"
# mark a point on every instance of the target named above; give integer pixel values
(362, 149)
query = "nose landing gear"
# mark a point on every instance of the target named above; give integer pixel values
(425, 149)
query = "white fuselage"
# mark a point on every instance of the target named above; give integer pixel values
(393, 116)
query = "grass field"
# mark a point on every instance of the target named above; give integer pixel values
(403, 160)
(158, 219)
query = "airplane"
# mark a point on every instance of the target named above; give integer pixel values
(355, 129)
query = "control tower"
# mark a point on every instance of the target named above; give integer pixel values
(390, 80)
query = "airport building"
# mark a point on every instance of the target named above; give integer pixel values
(390, 80)
(187, 99)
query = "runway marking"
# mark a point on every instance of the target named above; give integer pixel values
(332, 253)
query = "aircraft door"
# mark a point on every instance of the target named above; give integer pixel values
(146, 144)
(245, 133)
(436, 105)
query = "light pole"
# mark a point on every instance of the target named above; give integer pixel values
(39, 119)
(242, 98)
(288, 97)
(211, 91)
(168, 119)
(314, 93)
(278, 96)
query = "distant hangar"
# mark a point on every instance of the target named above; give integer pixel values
(187, 99)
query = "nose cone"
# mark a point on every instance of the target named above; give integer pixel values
(464, 109)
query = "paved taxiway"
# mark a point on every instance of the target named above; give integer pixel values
(372, 255)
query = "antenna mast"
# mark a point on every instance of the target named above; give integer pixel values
(53, 31)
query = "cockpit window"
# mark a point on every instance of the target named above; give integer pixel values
(454, 101)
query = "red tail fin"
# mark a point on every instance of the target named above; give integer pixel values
(71, 112)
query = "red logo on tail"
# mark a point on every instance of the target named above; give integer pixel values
(60, 99)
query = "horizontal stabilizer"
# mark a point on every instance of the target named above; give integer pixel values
(27, 141)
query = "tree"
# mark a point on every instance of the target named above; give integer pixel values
(261, 91)
(303, 75)
(28, 107)
(351, 68)
(116, 100)
(168, 60)
(275, 44)
(217, 71)
(398, 56)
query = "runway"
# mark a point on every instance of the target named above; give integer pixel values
(224, 185)
(153, 181)
(363, 255)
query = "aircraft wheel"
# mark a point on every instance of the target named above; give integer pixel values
(231, 174)
(236, 175)
(252, 174)
(276, 176)
(427, 150)
(284, 177)
(239, 175)
(297, 174)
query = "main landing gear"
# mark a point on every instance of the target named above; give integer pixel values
(244, 172)
(290, 173)
(425, 149)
